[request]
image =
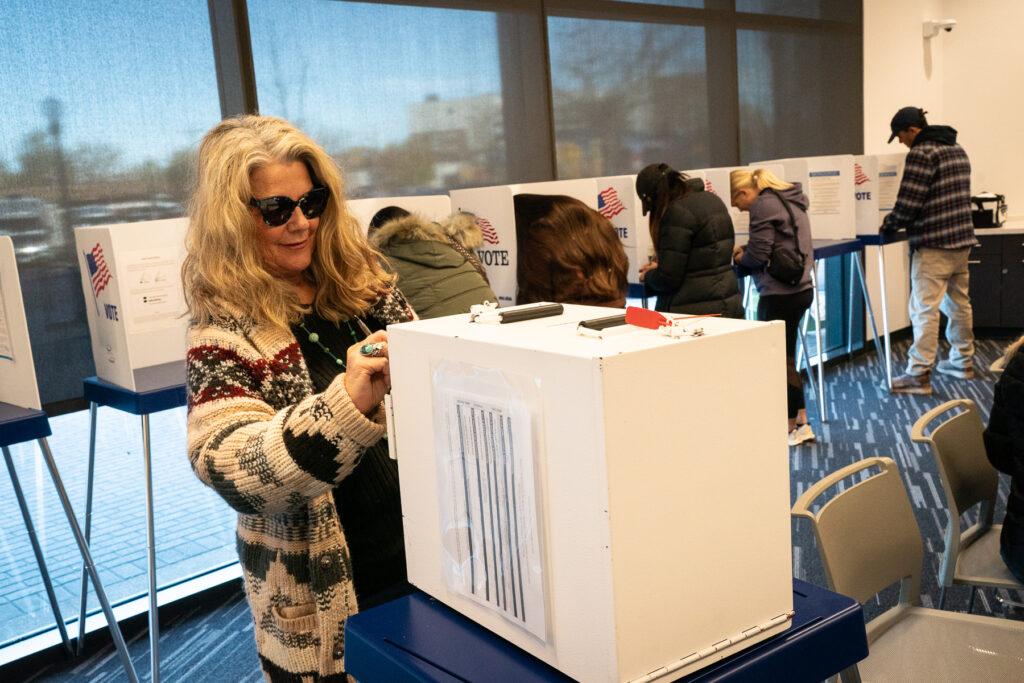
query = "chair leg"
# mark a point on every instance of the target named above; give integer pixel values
(970, 603)
(850, 675)
(942, 597)
(1008, 604)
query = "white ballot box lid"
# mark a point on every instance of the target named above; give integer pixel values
(561, 334)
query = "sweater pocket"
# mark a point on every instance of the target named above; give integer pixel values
(295, 619)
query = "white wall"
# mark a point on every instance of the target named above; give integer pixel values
(969, 79)
(900, 67)
(983, 76)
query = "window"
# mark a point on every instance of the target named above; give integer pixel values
(790, 105)
(627, 94)
(409, 100)
(105, 102)
(840, 10)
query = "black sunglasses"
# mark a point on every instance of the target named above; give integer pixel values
(277, 210)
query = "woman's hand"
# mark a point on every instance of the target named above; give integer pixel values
(737, 253)
(368, 377)
(650, 265)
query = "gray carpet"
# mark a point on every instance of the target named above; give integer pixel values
(213, 640)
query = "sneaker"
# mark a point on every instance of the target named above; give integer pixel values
(800, 434)
(912, 384)
(947, 368)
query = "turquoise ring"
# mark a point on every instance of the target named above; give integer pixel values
(372, 350)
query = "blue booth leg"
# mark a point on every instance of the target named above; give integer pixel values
(83, 547)
(40, 561)
(88, 522)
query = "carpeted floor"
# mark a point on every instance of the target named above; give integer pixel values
(213, 641)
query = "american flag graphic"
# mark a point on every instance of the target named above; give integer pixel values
(490, 234)
(859, 177)
(608, 204)
(98, 271)
(708, 187)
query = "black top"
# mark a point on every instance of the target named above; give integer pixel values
(1004, 444)
(368, 501)
(695, 241)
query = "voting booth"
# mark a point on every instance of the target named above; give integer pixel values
(435, 207)
(716, 181)
(17, 370)
(828, 183)
(131, 280)
(876, 180)
(495, 214)
(618, 202)
(586, 494)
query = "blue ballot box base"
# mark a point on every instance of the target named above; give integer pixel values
(417, 638)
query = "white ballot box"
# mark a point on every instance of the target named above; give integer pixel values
(17, 370)
(618, 202)
(828, 184)
(615, 503)
(432, 207)
(131, 280)
(716, 181)
(495, 212)
(876, 180)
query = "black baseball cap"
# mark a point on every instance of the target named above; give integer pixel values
(647, 183)
(906, 118)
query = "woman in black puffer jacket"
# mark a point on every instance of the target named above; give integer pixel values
(693, 240)
(1004, 443)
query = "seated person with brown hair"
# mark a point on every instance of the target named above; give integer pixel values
(567, 253)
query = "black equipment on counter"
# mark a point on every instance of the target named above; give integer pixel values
(989, 210)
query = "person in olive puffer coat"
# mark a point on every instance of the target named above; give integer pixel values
(437, 270)
(693, 239)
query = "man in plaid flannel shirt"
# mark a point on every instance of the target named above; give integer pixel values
(934, 206)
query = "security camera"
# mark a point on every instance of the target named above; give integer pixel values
(930, 29)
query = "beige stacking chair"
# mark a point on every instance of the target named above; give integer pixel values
(971, 557)
(868, 540)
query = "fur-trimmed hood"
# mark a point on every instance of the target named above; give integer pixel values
(460, 227)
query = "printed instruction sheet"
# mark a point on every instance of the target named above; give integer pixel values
(490, 526)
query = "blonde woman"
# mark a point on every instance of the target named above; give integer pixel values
(1004, 444)
(778, 219)
(287, 366)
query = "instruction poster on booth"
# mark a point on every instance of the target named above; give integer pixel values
(153, 298)
(824, 193)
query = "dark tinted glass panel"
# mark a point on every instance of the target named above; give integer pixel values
(800, 94)
(839, 10)
(627, 94)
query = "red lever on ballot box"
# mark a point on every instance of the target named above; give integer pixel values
(652, 320)
(642, 317)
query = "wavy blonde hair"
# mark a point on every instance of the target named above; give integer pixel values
(755, 178)
(224, 265)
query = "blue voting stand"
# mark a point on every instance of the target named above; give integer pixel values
(418, 639)
(19, 425)
(161, 387)
(880, 240)
(824, 249)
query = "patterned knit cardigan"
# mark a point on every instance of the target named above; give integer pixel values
(274, 450)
